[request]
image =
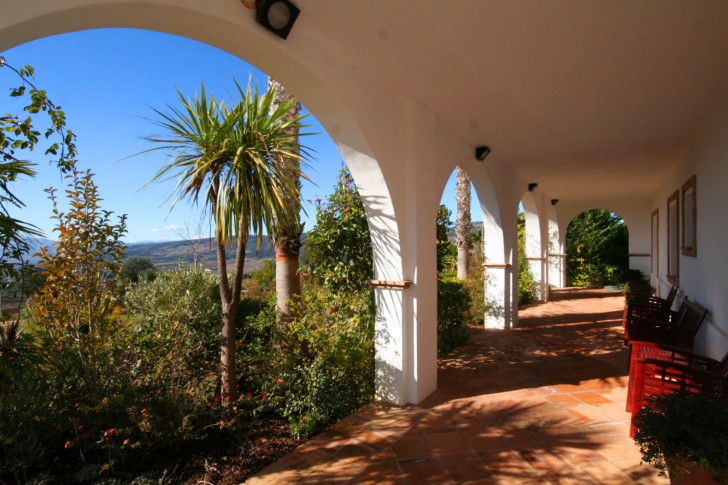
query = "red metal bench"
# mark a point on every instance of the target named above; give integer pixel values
(643, 351)
(660, 377)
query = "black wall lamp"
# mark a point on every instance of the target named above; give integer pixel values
(554, 201)
(532, 186)
(481, 152)
(277, 16)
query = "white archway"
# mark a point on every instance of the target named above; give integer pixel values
(406, 353)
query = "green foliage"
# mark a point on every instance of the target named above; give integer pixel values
(453, 309)
(239, 159)
(78, 307)
(597, 249)
(153, 403)
(265, 276)
(447, 252)
(681, 429)
(244, 163)
(138, 269)
(339, 249)
(526, 282)
(475, 286)
(637, 282)
(327, 368)
(20, 134)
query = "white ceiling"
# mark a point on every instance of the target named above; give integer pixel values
(581, 96)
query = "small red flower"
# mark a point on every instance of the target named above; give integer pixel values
(78, 404)
(67, 445)
(209, 404)
(126, 441)
(332, 310)
(250, 395)
(264, 396)
(216, 399)
(110, 432)
(227, 398)
(280, 381)
(105, 400)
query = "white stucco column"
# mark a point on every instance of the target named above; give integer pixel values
(401, 212)
(534, 243)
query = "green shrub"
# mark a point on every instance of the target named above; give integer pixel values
(326, 370)
(475, 286)
(637, 282)
(151, 401)
(453, 308)
(680, 429)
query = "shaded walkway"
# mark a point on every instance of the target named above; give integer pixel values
(543, 403)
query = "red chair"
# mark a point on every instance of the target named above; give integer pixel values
(660, 377)
(642, 351)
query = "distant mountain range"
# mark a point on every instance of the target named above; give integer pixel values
(171, 253)
(167, 254)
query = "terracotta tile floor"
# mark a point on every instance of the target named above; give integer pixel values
(543, 403)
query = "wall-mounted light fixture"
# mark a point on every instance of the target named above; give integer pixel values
(532, 186)
(277, 16)
(481, 152)
(554, 201)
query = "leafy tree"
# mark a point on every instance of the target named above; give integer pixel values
(463, 226)
(339, 248)
(265, 277)
(138, 269)
(237, 162)
(597, 249)
(19, 135)
(78, 307)
(446, 251)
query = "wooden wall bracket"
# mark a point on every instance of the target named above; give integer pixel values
(389, 284)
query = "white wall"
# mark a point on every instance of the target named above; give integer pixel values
(703, 278)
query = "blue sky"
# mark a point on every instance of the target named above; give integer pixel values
(107, 82)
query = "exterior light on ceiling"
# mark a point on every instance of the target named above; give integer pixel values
(481, 152)
(277, 16)
(532, 186)
(554, 201)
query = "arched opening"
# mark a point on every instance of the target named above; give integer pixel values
(532, 262)
(391, 383)
(597, 250)
(349, 107)
(488, 261)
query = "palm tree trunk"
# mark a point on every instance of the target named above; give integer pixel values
(464, 226)
(287, 240)
(227, 336)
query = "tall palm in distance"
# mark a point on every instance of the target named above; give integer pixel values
(237, 162)
(287, 239)
(463, 226)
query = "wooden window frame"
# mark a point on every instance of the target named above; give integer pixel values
(689, 219)
(673, 241)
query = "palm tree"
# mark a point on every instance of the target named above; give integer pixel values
(463, 227)
(287, 240)
(237, 163)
